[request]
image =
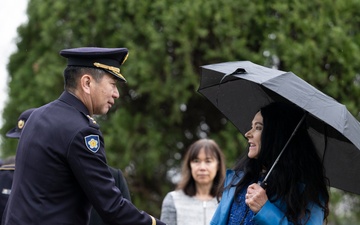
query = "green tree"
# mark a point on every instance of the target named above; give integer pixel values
(160, 112)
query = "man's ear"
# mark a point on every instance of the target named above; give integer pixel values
(85, 82)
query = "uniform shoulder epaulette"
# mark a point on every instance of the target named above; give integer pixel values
(92, 122)
(7, 167)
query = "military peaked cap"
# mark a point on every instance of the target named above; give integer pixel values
(108, 59)
(16, 131)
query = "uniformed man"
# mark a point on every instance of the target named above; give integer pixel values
(6, 177)
(7, 170)
(65, 172)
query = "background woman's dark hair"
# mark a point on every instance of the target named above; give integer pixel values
(299, 176)
(72, 73)
(187, 183)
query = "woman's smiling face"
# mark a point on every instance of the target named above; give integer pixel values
(254, 136)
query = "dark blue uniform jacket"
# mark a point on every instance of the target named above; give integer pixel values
(61, 170)
(6, 177)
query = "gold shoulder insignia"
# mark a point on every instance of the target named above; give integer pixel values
(92, 119)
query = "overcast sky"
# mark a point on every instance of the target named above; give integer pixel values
(12, 14)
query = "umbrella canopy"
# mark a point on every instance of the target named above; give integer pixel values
(239, 89)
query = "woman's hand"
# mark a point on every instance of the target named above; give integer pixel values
(255, 197)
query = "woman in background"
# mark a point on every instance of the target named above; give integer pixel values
(194, 200)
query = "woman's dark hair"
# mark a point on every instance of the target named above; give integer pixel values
(73, 73)
(187, 183)
(299, 176)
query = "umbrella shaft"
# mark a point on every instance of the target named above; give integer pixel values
(263, 184)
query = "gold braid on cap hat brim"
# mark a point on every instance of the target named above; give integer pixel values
(127, 55)
(111, 68)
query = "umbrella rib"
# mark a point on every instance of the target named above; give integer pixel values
(325, 143)
(263, 183)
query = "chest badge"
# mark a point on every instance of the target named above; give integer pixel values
(92, 142)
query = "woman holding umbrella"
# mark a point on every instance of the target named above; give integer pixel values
(295, 191)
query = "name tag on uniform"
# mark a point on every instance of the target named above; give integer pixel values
(92, 142)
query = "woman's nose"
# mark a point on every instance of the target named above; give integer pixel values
(248, 134)
(202, 165)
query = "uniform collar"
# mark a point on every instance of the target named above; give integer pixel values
(72, 100)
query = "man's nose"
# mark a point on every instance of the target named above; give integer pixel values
(116, 93)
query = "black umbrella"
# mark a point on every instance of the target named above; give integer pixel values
(240, 89)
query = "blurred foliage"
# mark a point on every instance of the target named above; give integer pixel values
(344, 208)
(160, 113)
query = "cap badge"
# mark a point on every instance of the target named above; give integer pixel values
(21, 124)
(92, 142)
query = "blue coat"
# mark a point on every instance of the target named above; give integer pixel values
(61, 171)
(270, 213)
